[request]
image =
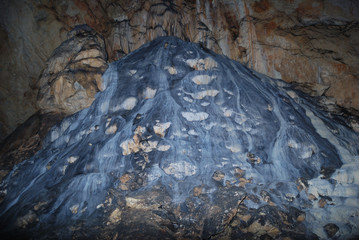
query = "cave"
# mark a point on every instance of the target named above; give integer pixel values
(179, 119)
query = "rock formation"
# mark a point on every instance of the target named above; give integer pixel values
(307, 41)
(187, 144)
(73, 73)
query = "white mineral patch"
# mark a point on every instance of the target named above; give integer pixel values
(63, 169)
(323, 131)
(132, 72)
(203, 79)
(190, 116)
(54, 135)
(108, 121)
(149, 93)
(202, 64)
(148, 146)
(307, 152)
(129, 147)
(234, 148)
(129, 103)
(180, 169)
(205, 104)
(72, 159)
(161, 128)
(348, 173)
(163, 148)
(179, 134)
(187, 99)
(104, 106)
(227, 91)
(171, 70)
(111, 130)
(209, 126)
(293, 144)
(192, 132)
(202, 94)
(292, 94)
(74, 209)
(228, 112)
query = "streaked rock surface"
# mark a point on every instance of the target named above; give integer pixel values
(251, 157)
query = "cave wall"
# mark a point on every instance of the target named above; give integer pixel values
(304, 41)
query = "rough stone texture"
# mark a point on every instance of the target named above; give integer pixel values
(307, 41)
(26, 140)
(73, 73)
(256, 160)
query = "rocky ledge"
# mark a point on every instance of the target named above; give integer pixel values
(186, 144)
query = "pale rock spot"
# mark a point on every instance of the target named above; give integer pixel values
(161, 128)
(234, 148)
(90, 53)
(100, 206)
(63, 169)
(187, 99)
(23, 221)
(205, 104)
(228, 113)
(307, 151)
(132, 72)
(115, 216)
(111, 130)
(148, 146)
(293, 144)
(72, 159)
(192, 132)
(108, 121)
(171, 70)
(202, 64)
(180, 169)
(202, 94)
(292, 94)
(39, 205)
(347, 174)
(129, 103)
(227, 91)
(74, 209)
(104, 107)
(190, 116)
(149, 93)
(203, 79)
(163, 148)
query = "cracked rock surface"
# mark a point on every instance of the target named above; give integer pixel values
(207, 150)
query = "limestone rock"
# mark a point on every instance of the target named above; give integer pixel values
(257, 172)
(304, 41)
(73, 73)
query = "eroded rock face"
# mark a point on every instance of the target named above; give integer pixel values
(210, 151)
(73, 73)
(302, 41)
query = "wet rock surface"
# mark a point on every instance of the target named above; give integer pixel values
(186, 144)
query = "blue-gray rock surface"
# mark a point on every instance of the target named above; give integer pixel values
(187, 144)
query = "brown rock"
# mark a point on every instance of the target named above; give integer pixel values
(73, 73)
(322, 202)
(218, 176)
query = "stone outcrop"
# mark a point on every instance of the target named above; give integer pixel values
(73, 73)
(184, 143)
(303, 41)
